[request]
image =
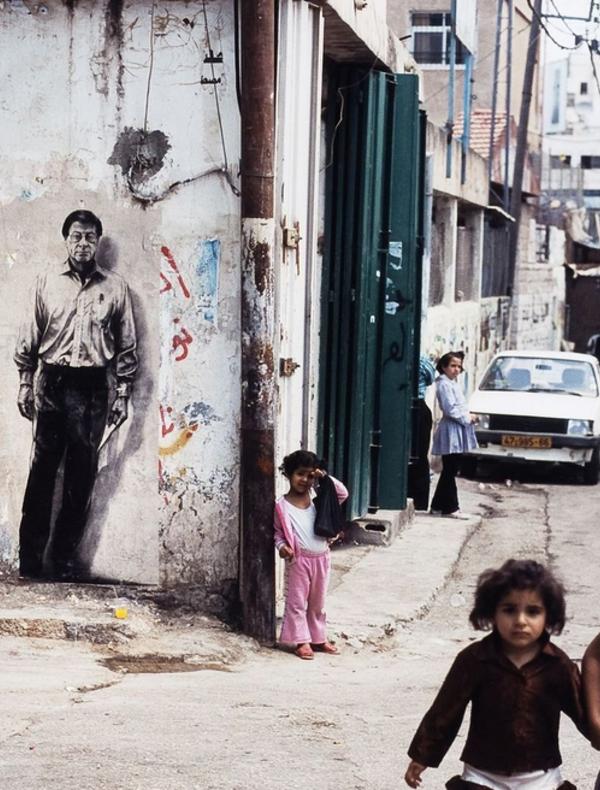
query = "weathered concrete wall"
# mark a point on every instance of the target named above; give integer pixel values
(538, 307)
(475, 188)
(357, 31)
(298, 207)
(110, 106)
(539, 302)
(457, 318)
(480, 329)
(435, 77)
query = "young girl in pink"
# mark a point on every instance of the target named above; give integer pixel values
(306, 555)
(518, 683)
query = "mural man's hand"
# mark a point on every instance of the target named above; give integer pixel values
(25, 401)
(118, 412)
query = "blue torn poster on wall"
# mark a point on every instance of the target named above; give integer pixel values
(207, 278)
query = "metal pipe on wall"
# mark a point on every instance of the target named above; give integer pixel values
(509, 35)
(495, 89)
(451, 90)
(257, 566)
(467, 100)
(312, 227)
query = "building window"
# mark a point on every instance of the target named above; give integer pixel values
(431, 35)
(583, 88)
(559, 160)
(590, 162)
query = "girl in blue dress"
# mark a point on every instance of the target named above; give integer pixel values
(454, 435)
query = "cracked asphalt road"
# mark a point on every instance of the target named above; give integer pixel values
(273, 721)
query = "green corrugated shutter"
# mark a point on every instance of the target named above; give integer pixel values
(370, 264)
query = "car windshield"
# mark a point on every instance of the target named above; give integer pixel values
(534, 374)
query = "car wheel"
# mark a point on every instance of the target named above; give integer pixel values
(591, 470)
(468, 466)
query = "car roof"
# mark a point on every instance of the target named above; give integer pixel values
(564, 355)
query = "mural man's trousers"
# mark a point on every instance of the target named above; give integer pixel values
(71, 409)
(304, 618)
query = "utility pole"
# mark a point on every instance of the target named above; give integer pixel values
(257, 557)
(521, 150)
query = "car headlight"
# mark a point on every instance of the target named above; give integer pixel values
(579, 428)
(483, 421)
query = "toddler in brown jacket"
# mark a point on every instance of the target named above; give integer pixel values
(518, 683)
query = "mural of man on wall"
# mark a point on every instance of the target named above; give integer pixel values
(80, 327)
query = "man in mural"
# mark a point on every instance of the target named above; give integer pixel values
(80, 326)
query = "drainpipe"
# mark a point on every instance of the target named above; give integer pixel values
(507, 106)
(451, 90)
(495, 93)
(467, 101)
(257, 564)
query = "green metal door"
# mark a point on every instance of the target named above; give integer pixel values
(402, 311)
(369, 274)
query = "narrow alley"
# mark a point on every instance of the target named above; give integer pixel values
(254, 718)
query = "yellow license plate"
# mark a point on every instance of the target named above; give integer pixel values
(537, 442)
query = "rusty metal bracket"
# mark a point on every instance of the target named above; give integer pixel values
(287, 366)
(212, 58)
(291, 237)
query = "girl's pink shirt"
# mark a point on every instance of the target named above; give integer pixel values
(284, 534)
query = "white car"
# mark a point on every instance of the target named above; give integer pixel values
(540, 406)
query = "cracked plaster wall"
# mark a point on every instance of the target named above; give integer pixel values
(106, 106)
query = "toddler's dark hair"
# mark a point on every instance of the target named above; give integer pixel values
(494, 583)
(300, 458)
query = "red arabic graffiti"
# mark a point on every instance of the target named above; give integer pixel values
(168, 286)
(166, 423)
(181, 342)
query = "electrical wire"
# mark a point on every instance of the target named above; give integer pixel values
(594, 70)
(546, 31)
(562, 19)
(587, 40)
(340, 119)
(588, 18)
(236, 46)
(226, 172)
(481, 60)
(588, 35)
(150, 70)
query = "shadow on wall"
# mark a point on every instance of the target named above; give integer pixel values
(119, 449)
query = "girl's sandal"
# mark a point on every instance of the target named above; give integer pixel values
(326, 647)
(305, 652)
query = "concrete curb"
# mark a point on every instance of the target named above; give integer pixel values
(399, 582)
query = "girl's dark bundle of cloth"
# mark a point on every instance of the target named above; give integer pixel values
(328, 521)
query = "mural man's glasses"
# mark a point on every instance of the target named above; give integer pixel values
(91, 238)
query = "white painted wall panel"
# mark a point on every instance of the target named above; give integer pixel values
(79, 85)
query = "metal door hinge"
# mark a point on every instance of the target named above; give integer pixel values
(287, 366)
